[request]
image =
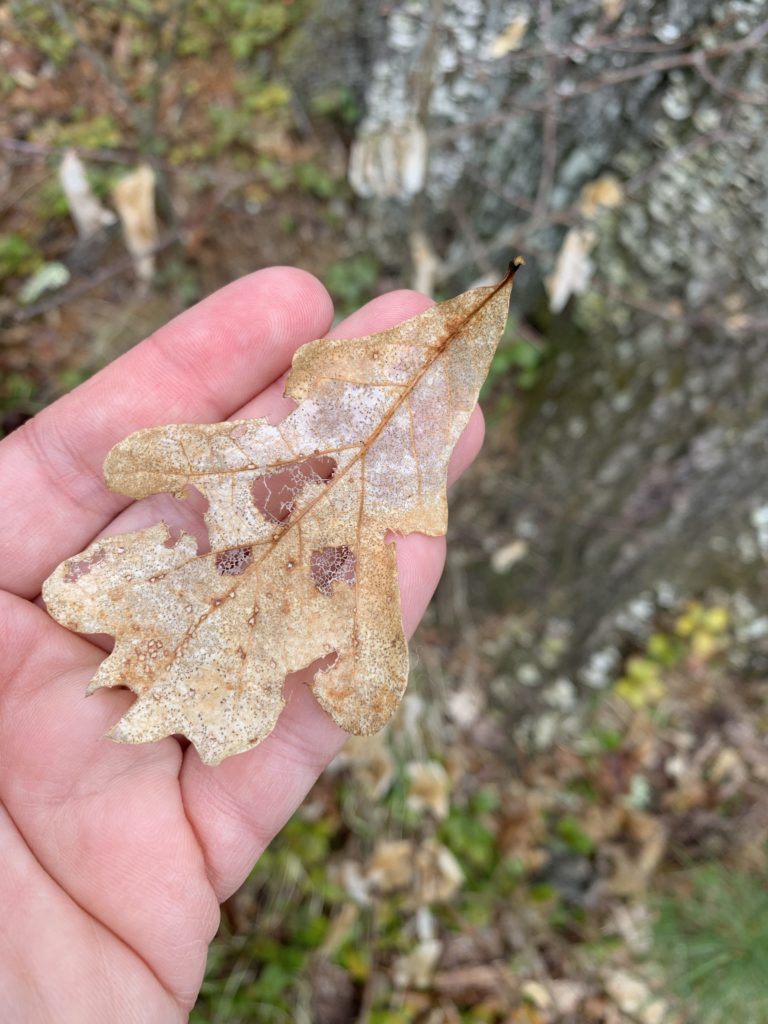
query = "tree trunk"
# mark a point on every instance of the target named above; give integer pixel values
(639, 470)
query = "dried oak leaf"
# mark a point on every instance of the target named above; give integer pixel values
(299, 569)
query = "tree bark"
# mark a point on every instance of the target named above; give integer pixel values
(639, 470)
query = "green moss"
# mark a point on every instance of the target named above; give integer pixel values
(473, 844)
(51, 201)
(390, 1017)
(100, 132)
(573, 835)
(260, 97)
(338, 104)
(39, 28)
(18, 257)
(314, 179)
(16, 389)
(351, 282)
(240, 25)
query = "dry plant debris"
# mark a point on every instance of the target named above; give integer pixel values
(299, 570)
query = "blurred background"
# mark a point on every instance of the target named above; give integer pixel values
(567, 822)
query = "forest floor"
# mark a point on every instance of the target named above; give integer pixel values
(603, 863)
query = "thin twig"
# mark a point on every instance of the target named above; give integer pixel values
(568, 217)
(115, 85)
(637, 181)
(162, 64)
(26, 188)
(88, 284)
(693, 59)
(43, 149)
(467, 228)
(690, 59)
(717, 84)
(549, 126)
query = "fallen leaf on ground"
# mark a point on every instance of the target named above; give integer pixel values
(605, 191)
(135, 201)
(438, 874)
(536, 993)
(510, 38)
(566, 995)
(428, 788)
(416, 969)
(47, 278)
(390, 866)
(468, 986)
(332, 993)
(299, 572)
(633, 996)
(370, 763)
(424, 873)
(612, 9)
(573, 268)
(505, 557)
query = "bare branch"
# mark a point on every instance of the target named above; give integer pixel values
(105, 72)
(88, 284)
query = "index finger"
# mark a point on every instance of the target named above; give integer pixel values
(200, 367)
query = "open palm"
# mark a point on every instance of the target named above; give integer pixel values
(114, 858)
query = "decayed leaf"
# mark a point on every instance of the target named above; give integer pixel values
(633, 996)
(573, 268)
(511, 38)
(87, 212)
(371, 763)
(427, 872)
(135, 201)
(416, 968)
(604, 192)
(299, 569)
(428, 788)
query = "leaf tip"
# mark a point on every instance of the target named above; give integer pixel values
(514, 266)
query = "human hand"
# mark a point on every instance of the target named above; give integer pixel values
(115, 857)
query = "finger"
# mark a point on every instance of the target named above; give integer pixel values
(200, 367)
(75, 793)
(51, 947)
(103, 819)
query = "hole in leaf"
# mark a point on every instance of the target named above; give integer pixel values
(331, 564)
(77, 567)
(275, 494)
(174, 535)
(234, 561)
(190, 514)
(304, 676)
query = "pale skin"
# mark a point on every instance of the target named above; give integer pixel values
(114, 858)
